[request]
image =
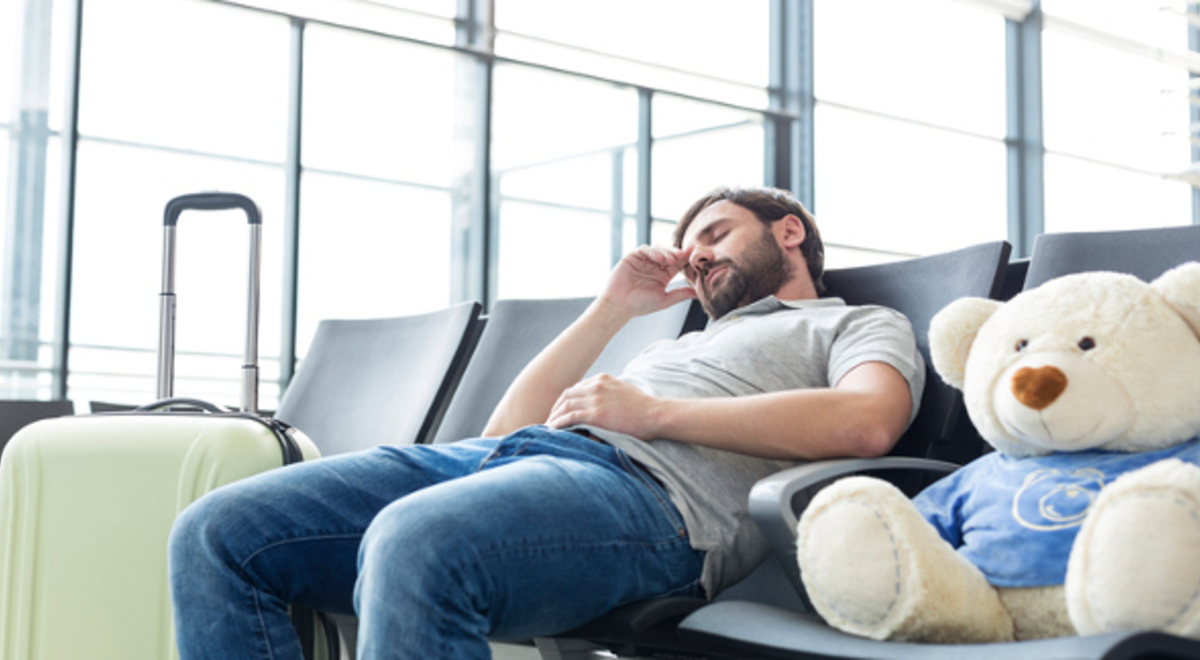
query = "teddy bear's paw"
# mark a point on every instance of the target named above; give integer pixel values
(874, 567)
(1133, 565)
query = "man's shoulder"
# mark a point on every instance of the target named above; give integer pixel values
(831, 318)
(835, 308)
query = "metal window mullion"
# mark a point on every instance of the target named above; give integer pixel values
(291, 206)
(487, 236)
(790, 135)
(804, 133)
(645, 146)
(617, 205)
(475, 191)
(777, 140)
(1026, 142)
(66, 244)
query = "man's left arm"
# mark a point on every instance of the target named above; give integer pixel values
(863, 414)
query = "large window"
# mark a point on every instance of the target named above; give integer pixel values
(713, 48)
(409, 154)
(33, 37)
(558, 148)
(888, 188)
(203, 113)
(1117, 115)
(379, 162)
(121, 192)
(697, 147)
(909, 152)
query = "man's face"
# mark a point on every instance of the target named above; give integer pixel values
(735, 260)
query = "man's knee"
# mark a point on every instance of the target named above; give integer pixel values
(425, 543)
(202, 530)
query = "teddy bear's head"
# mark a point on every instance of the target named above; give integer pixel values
(1087, 361)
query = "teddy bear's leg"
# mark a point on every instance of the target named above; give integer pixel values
(874, 567)
(1136, 561)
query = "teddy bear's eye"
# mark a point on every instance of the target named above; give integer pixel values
(1022, 344)
(1087, 344)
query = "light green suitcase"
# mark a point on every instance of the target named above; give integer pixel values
(87, 502)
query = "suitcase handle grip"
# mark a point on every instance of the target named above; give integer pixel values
(210, 201)
(181, 401)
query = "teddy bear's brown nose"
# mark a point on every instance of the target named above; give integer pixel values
(1038, 388)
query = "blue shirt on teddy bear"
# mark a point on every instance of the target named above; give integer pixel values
(1016, 518)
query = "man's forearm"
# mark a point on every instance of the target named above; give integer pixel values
(558, 366)
(863, 415)
(770, 426)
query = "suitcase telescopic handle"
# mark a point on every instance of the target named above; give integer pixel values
(209, 201)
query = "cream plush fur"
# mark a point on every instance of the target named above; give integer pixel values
(875, 567)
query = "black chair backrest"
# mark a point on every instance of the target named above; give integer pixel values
(1144, 253)
(15, 414)
(516, 330)
(110, 406)
(375, 382)
(1014, 278)
(919, 288)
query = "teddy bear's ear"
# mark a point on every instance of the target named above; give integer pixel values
(952, 332)
(1180, 287)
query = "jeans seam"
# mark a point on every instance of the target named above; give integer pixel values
(519, 547)
(691, 589)
(492, 455)
(262, 624)
(485, 555)
(296, 539)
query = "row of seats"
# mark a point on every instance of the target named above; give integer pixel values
(436, 377)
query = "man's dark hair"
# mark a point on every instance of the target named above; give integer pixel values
(768, 205)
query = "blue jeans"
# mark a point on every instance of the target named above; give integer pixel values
(436, 548)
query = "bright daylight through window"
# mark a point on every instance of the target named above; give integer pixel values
(412, 154)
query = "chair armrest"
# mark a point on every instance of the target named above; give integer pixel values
(778, 501)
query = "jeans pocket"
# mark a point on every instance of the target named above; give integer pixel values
(655, 488)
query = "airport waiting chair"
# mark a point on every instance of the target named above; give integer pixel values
(1144, 253)
(507, 339)
(516, 330)
(918, 288)
(15, 414)
(372, 382)
(752, 630)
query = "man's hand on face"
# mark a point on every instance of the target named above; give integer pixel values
(638, 284)
(608, 403)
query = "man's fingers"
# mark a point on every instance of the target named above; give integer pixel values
(568, 399)
(565, 414)
(664, 257)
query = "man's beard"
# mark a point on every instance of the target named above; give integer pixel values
(760, 272)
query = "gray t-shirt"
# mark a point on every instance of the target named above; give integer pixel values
(767, 346)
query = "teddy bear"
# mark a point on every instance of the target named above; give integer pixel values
(1085, 519)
